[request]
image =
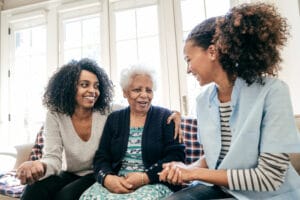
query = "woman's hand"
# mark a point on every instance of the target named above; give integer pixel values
(176, 173)
(31, 171)
(137, 179)
(117, 184)
(176, 117)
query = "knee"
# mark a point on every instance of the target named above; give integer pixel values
(34, 192)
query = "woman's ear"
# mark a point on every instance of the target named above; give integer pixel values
(212, 52)
(125, 94)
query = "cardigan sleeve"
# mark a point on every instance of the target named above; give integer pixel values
(171, 150)
(102, 160)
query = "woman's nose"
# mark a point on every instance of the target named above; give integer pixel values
(144, 94)
(92, 90)
(188, 69)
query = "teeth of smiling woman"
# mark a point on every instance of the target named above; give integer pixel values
(90, 98)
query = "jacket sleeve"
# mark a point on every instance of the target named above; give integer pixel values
(171, 150)
(102, 160)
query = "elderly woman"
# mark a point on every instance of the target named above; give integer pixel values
(136, 142)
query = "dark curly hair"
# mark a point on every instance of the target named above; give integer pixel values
(62, 87)
(248, 39)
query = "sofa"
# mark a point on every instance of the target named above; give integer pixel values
(192, 150)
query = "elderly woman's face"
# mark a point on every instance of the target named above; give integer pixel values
(139, 94)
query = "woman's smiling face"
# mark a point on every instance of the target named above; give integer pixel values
(199, 62)
(87, 90)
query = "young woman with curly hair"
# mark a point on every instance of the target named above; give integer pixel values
(78, 98)
(245, 117)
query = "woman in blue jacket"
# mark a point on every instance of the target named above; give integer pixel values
(135, 143)
(245, 118)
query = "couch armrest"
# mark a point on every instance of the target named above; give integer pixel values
(23, 153)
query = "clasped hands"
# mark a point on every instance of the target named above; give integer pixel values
(176, 173)
(30, 172)
(125, 184)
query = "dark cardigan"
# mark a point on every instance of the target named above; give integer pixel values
(158, 144)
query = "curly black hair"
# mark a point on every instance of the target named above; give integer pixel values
(248, 39)
(61, 90)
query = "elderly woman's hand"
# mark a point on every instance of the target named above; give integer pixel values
(117, 184)
(176, 117)
(137, 179)
(30, 171)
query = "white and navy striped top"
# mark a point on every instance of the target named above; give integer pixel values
(270, 171)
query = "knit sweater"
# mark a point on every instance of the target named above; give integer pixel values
(62, 139)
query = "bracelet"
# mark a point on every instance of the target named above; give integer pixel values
(143, 183)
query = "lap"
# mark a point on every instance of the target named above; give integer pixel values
(147, 192)
(58, 187)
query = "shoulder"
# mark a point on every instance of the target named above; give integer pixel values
(118, 114)
(157, 110)
(271, 86)
(99, 118)
(207, 92)
(56, 116)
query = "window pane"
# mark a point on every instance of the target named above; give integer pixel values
(91, 31)
(72, 54)
(149, 51)
(193, 12)
(125, 25)
(137, 40)
(213, 10)
(82, 38)
(72, 35)
(27, 83)
(146, 26)
(126, 53)
(91, 52)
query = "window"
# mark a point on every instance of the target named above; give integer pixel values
(80, 31)
(81, 38)
(192, 13)
(27, 78)
(136, 40)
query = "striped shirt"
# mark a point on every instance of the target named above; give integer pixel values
(270, 171)
(225, 113)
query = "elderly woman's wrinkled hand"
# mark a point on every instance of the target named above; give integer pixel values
(137, 179)
(176, 117)
(117, 184)
(30, 172)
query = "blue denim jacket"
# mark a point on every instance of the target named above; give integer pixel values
(262, 121)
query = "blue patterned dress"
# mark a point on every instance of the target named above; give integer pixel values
(132, 162)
